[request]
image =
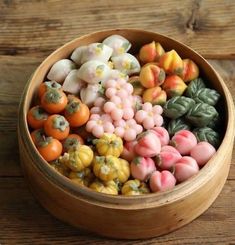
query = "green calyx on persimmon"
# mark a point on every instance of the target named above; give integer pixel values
(39, 113)
(52, 96)
(59, 122)
(72, 107)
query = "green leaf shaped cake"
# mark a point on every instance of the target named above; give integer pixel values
(207, 95)
(201, 114)
(207, 134)
(176, 125)
(194, 86)
(177, 106)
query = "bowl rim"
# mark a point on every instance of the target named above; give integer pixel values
(119, 201)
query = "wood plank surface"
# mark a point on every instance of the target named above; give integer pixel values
(23, 221)
(14, 73)
(30, 30)
(34, 28)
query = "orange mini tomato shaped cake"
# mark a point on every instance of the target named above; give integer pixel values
(77, 113)
(36, 117)
(54, 101)
(57, 127)
(50, 148)
(37, 135)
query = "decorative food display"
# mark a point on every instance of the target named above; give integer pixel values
(125, 123)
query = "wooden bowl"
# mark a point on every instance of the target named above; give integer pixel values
(118, 216)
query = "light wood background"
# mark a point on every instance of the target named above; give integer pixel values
(30, 30)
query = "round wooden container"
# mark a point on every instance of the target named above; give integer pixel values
(118, 216)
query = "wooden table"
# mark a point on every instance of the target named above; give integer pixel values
(30, 30)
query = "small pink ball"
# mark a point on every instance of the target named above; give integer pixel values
(117, 114)
(95, 110)
(98, 131)
(109, 106)
(119, 131)
(147, 106)
(128, 113)
(108, 127)
(148, 123)
(158, 109)
(122, 94)
(110, 92)
(110, 83)
(140, 116)
(99, 102)
(130, 134)
(90, 125)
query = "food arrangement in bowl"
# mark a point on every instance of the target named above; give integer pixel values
(150, 121)
(140, 120)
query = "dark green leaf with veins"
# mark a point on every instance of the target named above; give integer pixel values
(201, 114)
(176, 125)
(215, 122)
(207, 95)
(207, 134)
(194, 86)
(177, 106)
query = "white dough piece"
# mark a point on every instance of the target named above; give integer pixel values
(72, 84)
(77, 54)
(97, 51)
(60, 70)
(116, 74)
(126, 63)
(90, 93)
(118, 43)
(94, 71)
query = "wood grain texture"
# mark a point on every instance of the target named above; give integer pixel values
(24, 221)
(34, 28)
(14, 73)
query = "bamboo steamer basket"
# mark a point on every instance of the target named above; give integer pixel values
(118, 216)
